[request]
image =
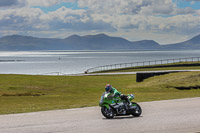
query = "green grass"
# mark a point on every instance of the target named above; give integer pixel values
(26, 93)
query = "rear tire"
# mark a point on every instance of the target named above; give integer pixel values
(108, 113)
(138, 111)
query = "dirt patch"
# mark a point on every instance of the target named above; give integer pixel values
(22, 94)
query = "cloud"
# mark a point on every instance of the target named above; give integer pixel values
(133, 7)
(11, 3)
(65, 18)
(144, 15)
(187, 10)
(20, 19)
(179, 24)
(62, 19)
(46, 3)
(160, 17)
(129, 6)
(5, 3)
(31, 3)
(111, 6)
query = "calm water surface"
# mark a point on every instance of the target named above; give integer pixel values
(72, 62)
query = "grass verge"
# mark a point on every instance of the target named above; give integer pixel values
(26, 93)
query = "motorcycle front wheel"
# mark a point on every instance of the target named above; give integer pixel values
(108, 113)
(137, 111)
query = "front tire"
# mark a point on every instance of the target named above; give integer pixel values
(108, 113)
(137, 111)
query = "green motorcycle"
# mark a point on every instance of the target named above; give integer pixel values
(115, 106)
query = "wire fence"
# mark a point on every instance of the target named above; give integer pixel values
(141, 64)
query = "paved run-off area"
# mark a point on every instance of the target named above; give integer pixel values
(169, 116)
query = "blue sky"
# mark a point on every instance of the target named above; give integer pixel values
(165, 21)
(189, 3)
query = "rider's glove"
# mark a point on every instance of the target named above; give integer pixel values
(123, 97)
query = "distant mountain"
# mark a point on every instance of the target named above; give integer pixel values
(193, 43)
(88, 42)
(17, 42)
(98, 42)
(146, 44)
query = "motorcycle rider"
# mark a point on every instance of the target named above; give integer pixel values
(115, 93)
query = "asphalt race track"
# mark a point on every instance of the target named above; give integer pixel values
(169, 116)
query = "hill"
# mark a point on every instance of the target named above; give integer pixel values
(74, 42)
(89, 42)
(193, 43)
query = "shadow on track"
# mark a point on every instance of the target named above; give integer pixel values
(122, 117)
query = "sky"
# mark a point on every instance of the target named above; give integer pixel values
(164, 21)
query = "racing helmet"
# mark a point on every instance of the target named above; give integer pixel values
(108, 88)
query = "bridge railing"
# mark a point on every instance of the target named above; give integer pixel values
(141, 64)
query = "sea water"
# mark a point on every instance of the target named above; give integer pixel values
(73, 62)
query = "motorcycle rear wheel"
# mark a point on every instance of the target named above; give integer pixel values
(138, 111)
(108, 113)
